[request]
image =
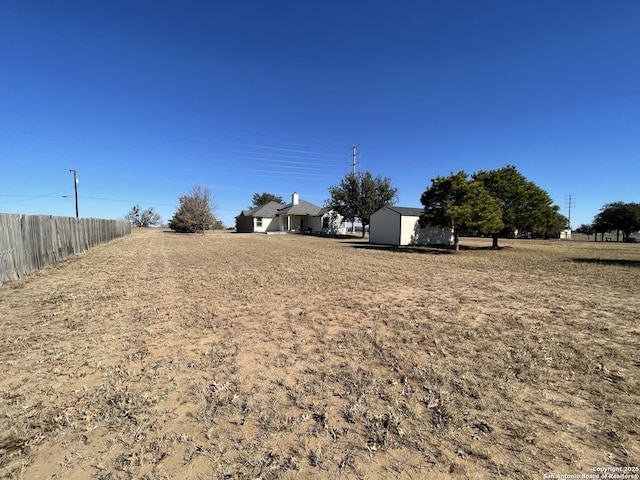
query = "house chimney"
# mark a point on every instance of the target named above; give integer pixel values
(295, 199)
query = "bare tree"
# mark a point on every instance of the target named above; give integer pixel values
(195, 213)
(142, 218)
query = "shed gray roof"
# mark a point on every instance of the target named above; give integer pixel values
(407, 211)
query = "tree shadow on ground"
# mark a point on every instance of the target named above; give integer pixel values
(422, 249)
(608, 261)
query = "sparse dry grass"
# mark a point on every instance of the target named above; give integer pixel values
(245, 356)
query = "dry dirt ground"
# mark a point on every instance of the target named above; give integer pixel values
(228, 355)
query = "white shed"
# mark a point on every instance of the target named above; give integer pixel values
(401, 226)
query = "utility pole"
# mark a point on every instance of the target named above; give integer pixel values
(570, 200)
(354, 155)
(75, 186)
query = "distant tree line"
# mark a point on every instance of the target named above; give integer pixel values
(619, 217)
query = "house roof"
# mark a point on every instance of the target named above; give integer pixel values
(302, 208)
(407, 211)
(273, 209)
(267, 210)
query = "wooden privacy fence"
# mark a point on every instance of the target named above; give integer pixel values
(30, 242)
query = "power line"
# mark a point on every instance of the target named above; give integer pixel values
(130, 201)
(217, 155)
(266, 132)
(31, 197)
(276, 172)
(263, 139)
(311, 151)
(262, 146)
(142, 202)
(157, 126)
(266, 161)
(263, 155)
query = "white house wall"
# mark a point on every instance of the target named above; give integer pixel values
(412, 234)
(273, 224)
(315, 223)
(408, 230)
(388, 227)
(384, 227)
(269, 224)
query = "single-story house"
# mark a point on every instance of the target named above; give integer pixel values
(401, 226)
(259, 219)
(297, 216)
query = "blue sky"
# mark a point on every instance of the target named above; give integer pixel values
(147, 98)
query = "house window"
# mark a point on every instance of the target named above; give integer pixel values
(258, 221)
(325, 222)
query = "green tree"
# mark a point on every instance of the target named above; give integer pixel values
(460, 203)
(142, 218)
(263, 198)
(620, 216)
(525, 206)
(557, 224)
(602, 225)
(195, 212)
(345, 197)
(360, 195)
